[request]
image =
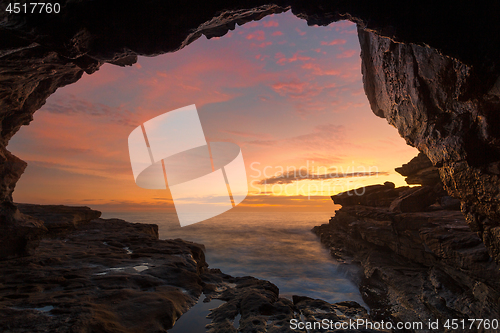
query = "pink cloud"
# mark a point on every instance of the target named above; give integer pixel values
(202, 81)
(335, 42)
(346, 54)
(264, 44)
(343, 24)
(317, 70)
(269, 24)
(252, 24)
(266, 136)
(257, 35)
(292, 87)
(277, 33)
(282, 59)
(302, 33)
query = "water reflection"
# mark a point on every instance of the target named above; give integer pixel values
(278, 247)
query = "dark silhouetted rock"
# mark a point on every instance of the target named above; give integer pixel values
(19, 234)
(415, 199)
(102, 275)
(260, 309)
(442, 107)
(374, 195)
(419, 258)
(420, 171)
(417, 266)
(59, 218)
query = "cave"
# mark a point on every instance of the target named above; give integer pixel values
(431, 71)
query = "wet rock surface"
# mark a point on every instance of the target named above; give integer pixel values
(59, 218)
(254, 305)
(420, 263)
(102, 276)
(107, 275)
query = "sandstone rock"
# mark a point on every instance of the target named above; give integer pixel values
(260, 309)
(440, 106)
(416, 199)
(420, 171)
(417, 266)
(374, 195)
(106, 276)
(19, 234)
(59, 218)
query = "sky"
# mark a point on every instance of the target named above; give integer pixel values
(289, 95)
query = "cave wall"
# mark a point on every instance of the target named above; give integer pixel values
(442, 107)
(432, 72)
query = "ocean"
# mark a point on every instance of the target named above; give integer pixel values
(278, 247)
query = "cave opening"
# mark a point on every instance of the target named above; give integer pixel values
(290, 95)
(442, 100)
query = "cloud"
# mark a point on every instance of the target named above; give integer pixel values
(343, 24)
(303, 174)
(322, 136)
(257, 35)
(215, 79)
(263, 44)
(251, 24)
(317, 70)
(277, 33)
(282, 59)
(69, 104)
(247, 134)
(303, 90)
(290, 88)
(268, 143)
(301, 33)
(269, 24)
(334, 42)
(347, 54)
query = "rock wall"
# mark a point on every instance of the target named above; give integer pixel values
(435, 79)
(420, 260)
(440, 106)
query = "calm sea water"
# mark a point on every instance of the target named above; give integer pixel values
(278, 247)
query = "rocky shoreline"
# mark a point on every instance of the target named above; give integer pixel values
(420, 259)
(107, 275)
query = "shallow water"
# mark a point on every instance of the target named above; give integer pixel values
(278, 247)
(195, 320)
